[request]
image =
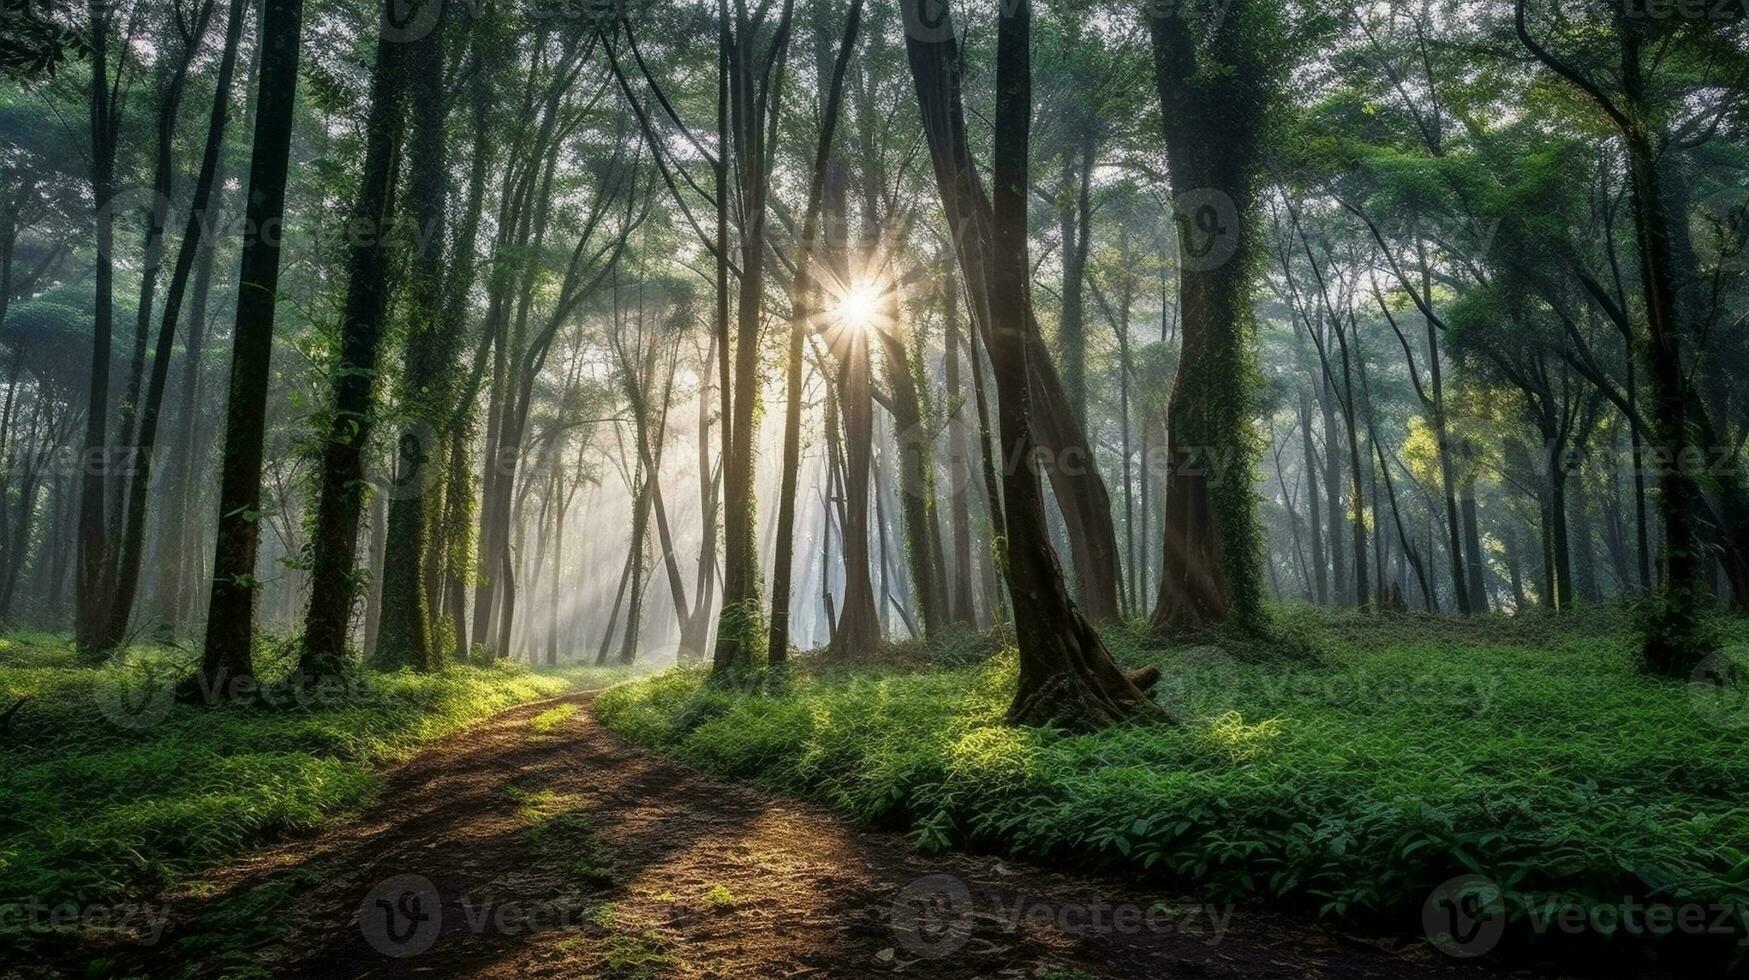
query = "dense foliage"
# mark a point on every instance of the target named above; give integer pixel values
(1529, 752)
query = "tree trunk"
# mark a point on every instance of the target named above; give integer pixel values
(959, 468)
(1320, 568)
(90, 599)
(1067, 679)
(758, 100)
(1210, 570)
(404, 635)
(227, 660)
(802, 297)
(933, 55)
(340, 495)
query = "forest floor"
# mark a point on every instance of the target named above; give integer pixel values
(538, 844)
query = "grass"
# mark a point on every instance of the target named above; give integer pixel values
(548, 721)
(1412, 751)
(109, 792)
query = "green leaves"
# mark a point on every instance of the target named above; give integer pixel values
(1535, 757)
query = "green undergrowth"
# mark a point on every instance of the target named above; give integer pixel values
(1412, 749)
(110, 792)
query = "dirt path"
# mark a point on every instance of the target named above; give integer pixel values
(537, 844)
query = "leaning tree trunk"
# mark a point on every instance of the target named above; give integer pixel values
(127, 566)
(916, 481)
(1067, 678)
(932, 51)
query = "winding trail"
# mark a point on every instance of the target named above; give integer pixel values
(547, 847)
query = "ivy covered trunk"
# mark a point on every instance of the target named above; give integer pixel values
(1213, 91)
(340, 500)
(404, 633)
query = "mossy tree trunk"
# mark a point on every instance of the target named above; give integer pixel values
(340, 494)
(1214, 87)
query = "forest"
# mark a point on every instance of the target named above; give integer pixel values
(715, 488)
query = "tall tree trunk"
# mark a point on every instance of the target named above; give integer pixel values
(90, 599)
(1672, 643)
(1333, 518)
(933, 54)
(802, 297)
(1460, 584)
(1067, 679)
(628, 648)
(127, 568)
(758, 100)
(227, 658)
(1309, 457)
(1075, 218)
(1211, 123)
(179, 491)
(1357, 514)
(340, 494)
(404, 633)
(959, 467)
(928, 585)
